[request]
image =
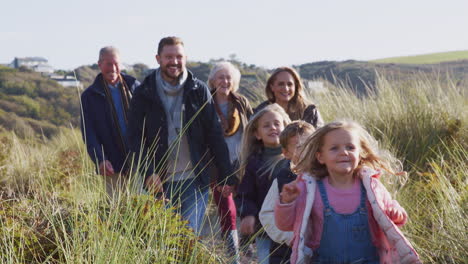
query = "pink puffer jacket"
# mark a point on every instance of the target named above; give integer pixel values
(393, 247)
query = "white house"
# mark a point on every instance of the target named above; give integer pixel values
(37, 64)
(67, 81)
(315, 86)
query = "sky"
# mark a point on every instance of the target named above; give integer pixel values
(265, 33)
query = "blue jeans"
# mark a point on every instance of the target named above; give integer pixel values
(263, 249)
(191, 199)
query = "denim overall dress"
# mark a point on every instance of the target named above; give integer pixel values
(345, 238)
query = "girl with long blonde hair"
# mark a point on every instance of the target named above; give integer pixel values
(260, 152)
(341, 212)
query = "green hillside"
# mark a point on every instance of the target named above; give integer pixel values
(31, 104)
(427, 58)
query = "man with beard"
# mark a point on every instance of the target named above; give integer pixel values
(175, 133)
(104, 118)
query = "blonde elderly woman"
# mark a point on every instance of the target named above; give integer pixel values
(234, 112)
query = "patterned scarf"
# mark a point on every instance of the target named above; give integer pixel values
(231, 123)
(126, 96)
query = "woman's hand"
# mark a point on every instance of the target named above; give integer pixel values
(247, 226)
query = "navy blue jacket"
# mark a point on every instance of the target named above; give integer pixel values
(100, 132)
(148, 121)
(254, 187)
(284, 175)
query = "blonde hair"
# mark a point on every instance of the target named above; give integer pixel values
(370, 156)
(250, 143)
(233, 71)
(298, 103)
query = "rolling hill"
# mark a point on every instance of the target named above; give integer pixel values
(33, 104)
(431, 58)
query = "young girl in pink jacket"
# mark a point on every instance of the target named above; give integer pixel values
(337, 208)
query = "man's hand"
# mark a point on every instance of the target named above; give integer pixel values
(105, 168)
(225, 190)
(153, 184)
(247, 226)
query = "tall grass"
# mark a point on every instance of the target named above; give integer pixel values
(424, 123)
(54, 210)
(53, 207)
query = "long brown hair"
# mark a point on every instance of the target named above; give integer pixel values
(298, 103)
(370, 156)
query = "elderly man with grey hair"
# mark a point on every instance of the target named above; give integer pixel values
(104, 120)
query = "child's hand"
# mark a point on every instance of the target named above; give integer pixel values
(290, 191)
(397, 214)
(247, 226)
(154, 184)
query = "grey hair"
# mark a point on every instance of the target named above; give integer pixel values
(224, 65)
(108, 50)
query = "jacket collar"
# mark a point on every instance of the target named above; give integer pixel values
(97, 84)
(149, 84)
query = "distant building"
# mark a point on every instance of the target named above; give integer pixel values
(67, 81)
(315, 86)
(37, 64)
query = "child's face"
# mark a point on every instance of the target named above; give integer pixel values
(340, 152)
(269, 128)
(294, 147)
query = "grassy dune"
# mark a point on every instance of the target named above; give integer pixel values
(53, 208)
(427, 58)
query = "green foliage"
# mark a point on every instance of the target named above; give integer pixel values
(437, 204)
(53, 210)
(428, 58)
(425, 123)
(86, 74)
(353, 74)
(139, 71)
(36, 102)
